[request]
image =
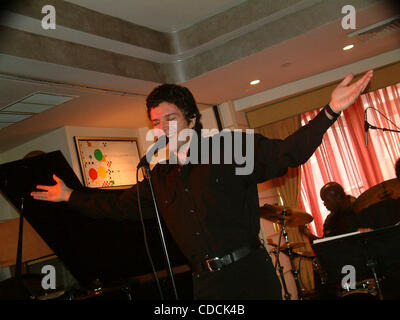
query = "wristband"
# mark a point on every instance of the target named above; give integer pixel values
(331, 112)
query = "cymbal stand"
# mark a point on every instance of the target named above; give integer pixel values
(280, 268)
(372, 264)
(295, 272)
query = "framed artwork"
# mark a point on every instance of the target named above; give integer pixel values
(108, 162)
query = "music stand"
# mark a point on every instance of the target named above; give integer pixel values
(17, 180)
(375, 253)
(90, 248)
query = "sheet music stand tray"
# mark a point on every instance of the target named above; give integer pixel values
(375, 253)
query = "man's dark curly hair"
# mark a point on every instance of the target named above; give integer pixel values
(397, 168)
(179, 96)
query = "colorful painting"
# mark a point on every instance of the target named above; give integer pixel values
(108, 162)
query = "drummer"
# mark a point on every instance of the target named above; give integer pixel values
(342, 218)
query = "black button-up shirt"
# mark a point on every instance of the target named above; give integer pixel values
(208, 208)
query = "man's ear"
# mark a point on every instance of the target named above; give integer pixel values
(192, 123)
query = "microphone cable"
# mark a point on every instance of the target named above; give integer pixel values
(145, 236)
(383, 115)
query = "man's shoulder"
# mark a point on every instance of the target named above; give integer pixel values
(329, 217)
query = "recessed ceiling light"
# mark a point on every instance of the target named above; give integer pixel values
(254, 82)
(350, 46)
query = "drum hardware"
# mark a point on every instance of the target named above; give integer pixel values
(304, 255)
(306, 232)
(295, 272)
(97, 290)
(285, 246)
(286, 217)
(297, 254)
(367, 286)
(277, 260)
(97, 287)
(320, 271)
(52, 295)
(372, 264)
(284, 249)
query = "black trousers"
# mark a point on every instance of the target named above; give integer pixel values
(251, 278)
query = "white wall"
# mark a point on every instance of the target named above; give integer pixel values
(230, 118)
(208, 119)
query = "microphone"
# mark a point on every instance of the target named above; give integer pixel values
(160, 143)
(366, 127)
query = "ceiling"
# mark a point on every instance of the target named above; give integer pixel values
(161, 15)
(108, 55)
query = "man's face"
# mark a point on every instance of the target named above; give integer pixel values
(167, 117)
(332, 201)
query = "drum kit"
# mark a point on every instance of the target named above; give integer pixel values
(293, 217)
(287, 217)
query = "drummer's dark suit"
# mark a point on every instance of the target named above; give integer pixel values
(210, 211)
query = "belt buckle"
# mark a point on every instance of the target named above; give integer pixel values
(209, 266)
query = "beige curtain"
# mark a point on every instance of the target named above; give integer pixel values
(288, 188)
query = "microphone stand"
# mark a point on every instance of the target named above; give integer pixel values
(20, 289)
(164, 246)
(18, 270)
(369, 126)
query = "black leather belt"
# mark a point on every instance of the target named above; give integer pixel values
(217, 263)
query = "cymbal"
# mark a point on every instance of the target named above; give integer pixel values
(304, 230)
(286, 246)
(305, 254)
(294, 217)
(389, 189)
(302, 254)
